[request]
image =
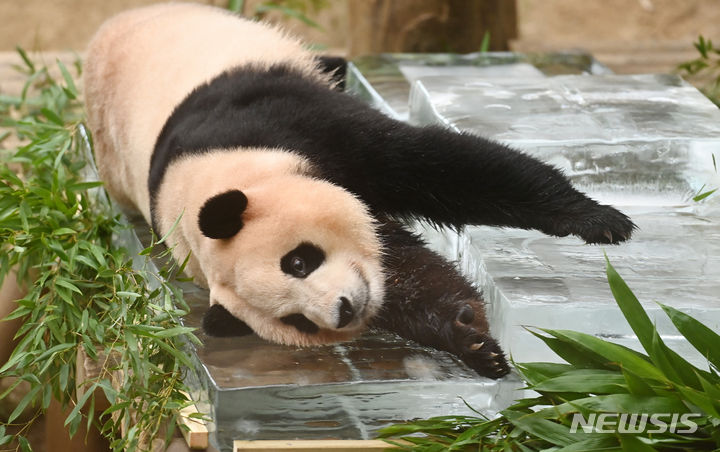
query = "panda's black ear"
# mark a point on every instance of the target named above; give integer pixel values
(221, 216)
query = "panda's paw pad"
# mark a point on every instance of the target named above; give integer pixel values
(465, 315)
(482, 353)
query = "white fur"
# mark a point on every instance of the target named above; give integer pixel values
(143, 63)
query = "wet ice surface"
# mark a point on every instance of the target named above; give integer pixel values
(384, 80)
(642, 143)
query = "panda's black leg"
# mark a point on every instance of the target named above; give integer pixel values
(458, 179)
(217, 321)
(428, 301)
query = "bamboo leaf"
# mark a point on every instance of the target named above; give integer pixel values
(704, 195)
(28, 62)
(673, 366)
(68, 285)
(594, 381)
(541, 371)
(172, 228)
(556, 434)
(82, 186)
(74, 414)
(72, 90)
(599, 442)
(613, 353)
(617, 403)
(634, 444)
(631, 308)
(177, 331)
(52, 116)
(485, 44)
(636, 385)
(24, 402)
(705, 340)
(575, 354)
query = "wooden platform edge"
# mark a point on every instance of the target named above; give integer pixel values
(334, 445)
(194, 430)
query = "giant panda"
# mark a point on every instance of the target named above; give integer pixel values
(291, 193)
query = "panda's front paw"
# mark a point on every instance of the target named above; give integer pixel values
(482, 354)
(477, 349)
(605, 224)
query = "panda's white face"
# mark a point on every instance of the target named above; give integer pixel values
(297, 259)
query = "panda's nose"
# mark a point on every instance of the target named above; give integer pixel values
(345, 313)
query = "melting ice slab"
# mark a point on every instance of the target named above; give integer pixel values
(568, 109)
(535, 280)
(644, 143)
(384, 80)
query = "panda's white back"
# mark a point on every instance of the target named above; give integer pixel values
(136, 74)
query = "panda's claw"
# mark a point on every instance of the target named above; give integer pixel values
(605, 225)
(609, 236)
(481, 353)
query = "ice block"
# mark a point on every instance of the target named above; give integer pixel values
(644, 143)
(384, 80)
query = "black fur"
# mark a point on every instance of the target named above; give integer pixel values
(336, 67)
(310, 257)
(429, 301)
(302, 323)
(219, 322)
(399, 171)
(221, 216)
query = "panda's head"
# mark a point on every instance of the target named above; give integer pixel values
(295, 258)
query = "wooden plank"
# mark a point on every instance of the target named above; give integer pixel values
(334, 445)
(196, 433)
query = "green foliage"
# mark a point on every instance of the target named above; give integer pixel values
(599, 377)
(703, 193)
(485, 44)
(56, 230)
(706, 68)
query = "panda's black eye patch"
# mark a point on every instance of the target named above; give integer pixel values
(302, 260)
